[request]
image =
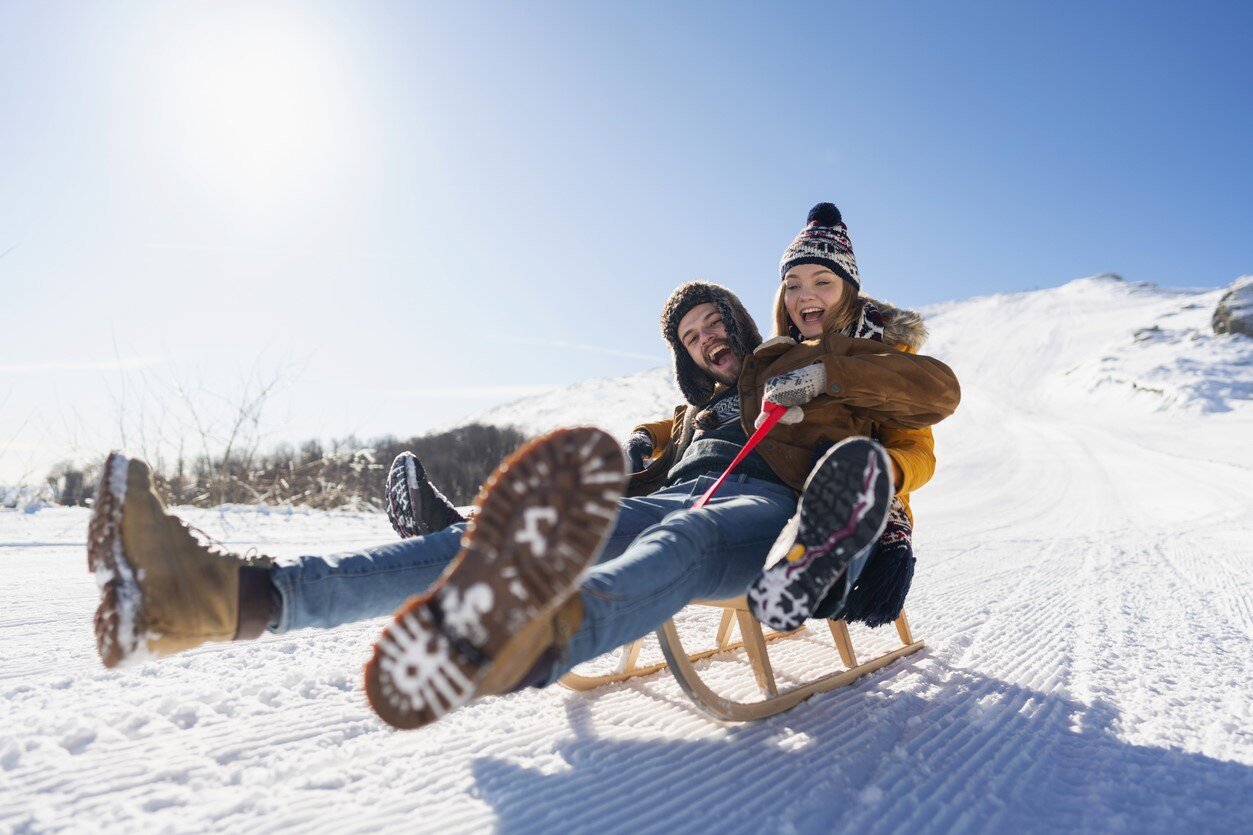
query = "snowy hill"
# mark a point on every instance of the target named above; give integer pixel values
(1097, 340)
(1084, 586)
(615, 405)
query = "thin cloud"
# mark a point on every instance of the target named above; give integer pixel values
(234, 250)
(479, 391)
(373, 255)
(102, 365)
(557, 343)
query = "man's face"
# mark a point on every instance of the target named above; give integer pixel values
(704, 335)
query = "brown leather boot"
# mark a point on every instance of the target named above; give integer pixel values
(162, 590)
(511, 595)
(534, 652)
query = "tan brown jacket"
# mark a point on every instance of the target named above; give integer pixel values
(868, 383)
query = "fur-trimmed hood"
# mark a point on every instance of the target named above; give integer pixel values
(697, 386)
(900, 326)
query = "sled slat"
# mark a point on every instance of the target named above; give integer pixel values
(724, 628)
(630, 654)
(902, 629)
(839, 631)
(755, 646)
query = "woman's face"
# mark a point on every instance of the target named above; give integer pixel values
(810, 291)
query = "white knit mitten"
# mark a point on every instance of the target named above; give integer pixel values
(794, 389)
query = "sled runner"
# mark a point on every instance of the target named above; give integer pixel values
(754, 643)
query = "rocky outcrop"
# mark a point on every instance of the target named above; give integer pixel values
(1234, 313)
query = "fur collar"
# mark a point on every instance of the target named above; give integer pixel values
(900, 326)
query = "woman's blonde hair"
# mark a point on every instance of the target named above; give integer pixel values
(838, 318)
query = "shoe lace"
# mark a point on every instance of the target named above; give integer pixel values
(216, 548)
(207, 542)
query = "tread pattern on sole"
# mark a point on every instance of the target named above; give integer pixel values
(843, 510)
(543, 517)
(403, 503)
(415, 506)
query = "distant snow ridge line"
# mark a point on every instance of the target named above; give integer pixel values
(1097, 340)
(615, 405)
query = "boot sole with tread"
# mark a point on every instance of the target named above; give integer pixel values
(843, 510)
(543, 517)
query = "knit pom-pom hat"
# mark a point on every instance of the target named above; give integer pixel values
(824, 240)
(742, 334)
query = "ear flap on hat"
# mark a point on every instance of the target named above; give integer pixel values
(697, 386)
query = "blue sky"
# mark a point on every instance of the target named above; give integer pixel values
(410, 211)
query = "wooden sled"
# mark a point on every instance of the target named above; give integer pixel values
(754, 643)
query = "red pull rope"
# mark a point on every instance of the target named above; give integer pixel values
(773, 412)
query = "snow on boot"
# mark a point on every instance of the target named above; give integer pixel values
(842, 511)
(414, 506)
(161, 589)
(543, 517)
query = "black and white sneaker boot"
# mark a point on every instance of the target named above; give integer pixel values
(414, 506)
(842, 511)
(502, 603)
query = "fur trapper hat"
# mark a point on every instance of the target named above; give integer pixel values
(695, 384)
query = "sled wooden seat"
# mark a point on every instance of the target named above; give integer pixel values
(754, 643)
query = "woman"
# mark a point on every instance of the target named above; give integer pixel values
(818, 296)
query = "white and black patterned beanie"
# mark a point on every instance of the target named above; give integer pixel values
(696, 385)
(824, 240)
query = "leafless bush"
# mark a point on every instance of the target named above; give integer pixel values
(205, 449)
(349, 473)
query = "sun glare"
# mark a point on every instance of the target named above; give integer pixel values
(255, 108)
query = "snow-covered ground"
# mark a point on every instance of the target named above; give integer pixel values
(1085, 588)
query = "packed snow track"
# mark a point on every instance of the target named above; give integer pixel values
(1084, 586)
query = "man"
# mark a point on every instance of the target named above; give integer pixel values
(517, 604)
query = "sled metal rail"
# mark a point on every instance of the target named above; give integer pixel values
(754, 643)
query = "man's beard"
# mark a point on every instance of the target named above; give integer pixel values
(727, 378)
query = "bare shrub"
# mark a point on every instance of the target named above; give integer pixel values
(205, 449)
(347, 474)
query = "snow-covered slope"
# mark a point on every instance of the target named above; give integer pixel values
(1095, 342)
(1099, 343)
(615, 405)
(1084, 586)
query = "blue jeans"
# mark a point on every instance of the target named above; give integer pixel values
(663, 555)
(660, 556)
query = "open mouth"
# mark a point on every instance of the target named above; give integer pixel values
(719, 355)
(812, 314)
